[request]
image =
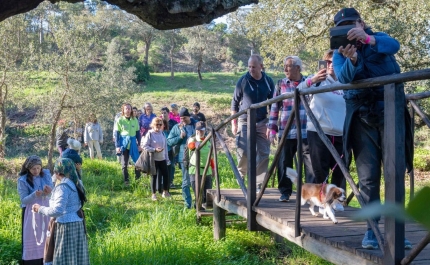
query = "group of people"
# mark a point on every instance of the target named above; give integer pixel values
(91, 135)
(352, 120)
(53, 230)
(164, 137)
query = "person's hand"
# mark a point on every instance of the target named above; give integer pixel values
(159, 149)
(234, 128)
(118, 150)
(47, 189)
(183, 134)
(87, 143)
(356, 34)
(140, 149)
(350, 51)
(39, 193)
(169, 163)
(320, 76)
(272, 139)
(268, 131)
(35, 208)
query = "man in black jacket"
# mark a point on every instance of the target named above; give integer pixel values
(253, 87)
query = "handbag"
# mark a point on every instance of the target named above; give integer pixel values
(50, 241)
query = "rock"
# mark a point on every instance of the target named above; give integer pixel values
(161, 14)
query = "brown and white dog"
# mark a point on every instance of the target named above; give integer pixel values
(321, 195)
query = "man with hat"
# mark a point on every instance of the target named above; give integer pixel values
(253, 87)
(192, 143)
(371, 56)
(178, 136)
(197, 115)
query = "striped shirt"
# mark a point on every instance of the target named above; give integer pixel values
(285, 107)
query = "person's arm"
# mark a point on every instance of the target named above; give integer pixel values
(146, 143)
(100, 134)
(118, 139)
(344, 68)
(86, 136)
(272, 126)
(59, 202)
(174, 137)
(166, 153)
(138, 138)
(24, 195)
(384, 43)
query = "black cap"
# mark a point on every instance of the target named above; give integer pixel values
(196, 104)
(184, 112)
(346, 14)
(200, 126)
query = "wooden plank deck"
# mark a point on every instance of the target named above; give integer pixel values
(338, 243)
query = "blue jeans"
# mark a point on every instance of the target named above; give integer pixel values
(186, 194)
(171, 167)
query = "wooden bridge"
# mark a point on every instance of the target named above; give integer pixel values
(340, 243)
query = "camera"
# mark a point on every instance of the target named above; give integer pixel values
(338, 36)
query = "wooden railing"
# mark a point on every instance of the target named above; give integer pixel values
(393, 160)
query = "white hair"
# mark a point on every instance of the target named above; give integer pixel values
(295, 59)
(74, 144)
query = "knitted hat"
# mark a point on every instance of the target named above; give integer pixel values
(74, 144)
(184, 112)
(346, 14)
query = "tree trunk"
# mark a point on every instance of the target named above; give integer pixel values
(147, 46)
(172, 47)
(199, 66)
(52, 135)
(3, 97)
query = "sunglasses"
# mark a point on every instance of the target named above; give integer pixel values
(159, 124)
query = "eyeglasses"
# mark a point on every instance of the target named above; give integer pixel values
(329, 61)
(159, 124)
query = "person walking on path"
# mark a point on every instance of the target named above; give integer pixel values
(253, 87)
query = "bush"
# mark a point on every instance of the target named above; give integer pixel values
(142, 71)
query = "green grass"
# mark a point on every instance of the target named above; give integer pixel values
(126, 227)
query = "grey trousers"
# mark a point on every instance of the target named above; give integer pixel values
(262, 145)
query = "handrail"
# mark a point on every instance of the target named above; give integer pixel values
(388, 82)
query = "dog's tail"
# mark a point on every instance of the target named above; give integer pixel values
(292, 174)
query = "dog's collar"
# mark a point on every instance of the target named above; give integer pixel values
(322, 191)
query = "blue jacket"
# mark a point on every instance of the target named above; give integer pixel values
(372, 61)
(175, 137)
(125, 141)
(249, 91)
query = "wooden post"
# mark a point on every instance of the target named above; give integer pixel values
(251, 154)
(215, 173)
(197, 182)
(394, 170)
(411, 174)
(219, 221)
(300, 162)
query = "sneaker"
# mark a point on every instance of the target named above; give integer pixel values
(369, 240)
(284, 198)
(408, 244)
(258, 187)
(154, 197)
(337, 206)
(166, 194)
